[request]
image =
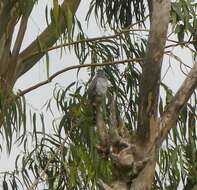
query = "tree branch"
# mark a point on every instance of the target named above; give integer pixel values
(185, 43)
(20, 36)
(169, 117)
(47, 38)
(151, 69)
(8, 11)
(21, 93)
(100, 39)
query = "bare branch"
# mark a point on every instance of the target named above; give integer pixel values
(75, 67)
(100, 39)
(168, 119)
(176, 43)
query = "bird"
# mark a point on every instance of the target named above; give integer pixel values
(97, 91)
(98, 86)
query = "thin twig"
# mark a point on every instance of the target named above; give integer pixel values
(21, 93)
(177, 43)
(180, 61)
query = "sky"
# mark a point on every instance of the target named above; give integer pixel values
(38, 97)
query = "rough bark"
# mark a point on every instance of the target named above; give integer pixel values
(134, 160)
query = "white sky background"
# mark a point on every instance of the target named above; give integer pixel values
(38, 97)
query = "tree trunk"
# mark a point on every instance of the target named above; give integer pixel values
(134, 160)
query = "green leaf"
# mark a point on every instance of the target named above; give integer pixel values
(69, 21)
(177, 8)
(181, 33)
(55, 9)
(26, 7)
(5, 185)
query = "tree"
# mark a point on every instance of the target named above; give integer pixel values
(120, 146)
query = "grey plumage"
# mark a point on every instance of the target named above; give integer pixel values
(98, 86)
(97, 91)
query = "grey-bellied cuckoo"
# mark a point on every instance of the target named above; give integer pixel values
(98, 87)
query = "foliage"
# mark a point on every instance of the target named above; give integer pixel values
(178, 155)
(118, 14)
(67, 157)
